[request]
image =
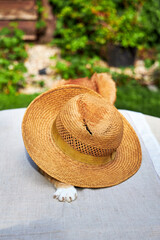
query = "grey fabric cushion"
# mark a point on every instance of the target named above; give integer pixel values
(130, 210)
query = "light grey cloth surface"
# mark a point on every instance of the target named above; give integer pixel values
(150, 134)
(128, 211)
(154, 123)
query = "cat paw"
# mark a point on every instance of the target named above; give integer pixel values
(66, 194)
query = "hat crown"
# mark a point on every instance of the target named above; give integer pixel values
(90, 125)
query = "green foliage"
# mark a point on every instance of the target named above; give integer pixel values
(127, 30)
(155, 76)
(150, 17)
(12, 56)
(122, 79)
(148, 62)
(40, 24)
(81, 66)
(41, 83)
(84, 26)
(79, 27)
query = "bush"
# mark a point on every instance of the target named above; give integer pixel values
(81, 66)
(125, 26)
(150, 17)
(83, 28)
(79, 27)
(127, 30)
(12, 56)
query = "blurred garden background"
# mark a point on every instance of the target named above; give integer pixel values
(43, 41)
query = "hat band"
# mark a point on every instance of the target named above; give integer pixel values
(76, 155)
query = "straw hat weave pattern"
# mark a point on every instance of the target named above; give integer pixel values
(77, 137)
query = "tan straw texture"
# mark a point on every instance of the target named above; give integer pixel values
(77, 137)
(99, 82)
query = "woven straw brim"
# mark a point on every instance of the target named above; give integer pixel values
(36, 131)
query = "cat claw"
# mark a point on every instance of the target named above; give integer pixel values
(66, 194)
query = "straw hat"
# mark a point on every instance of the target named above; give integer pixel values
(77, 137)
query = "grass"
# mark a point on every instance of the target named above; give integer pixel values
(139, 99)
(18, 101)
(131, 97)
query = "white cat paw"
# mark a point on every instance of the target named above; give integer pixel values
(66, 194)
